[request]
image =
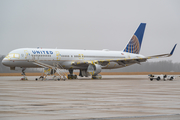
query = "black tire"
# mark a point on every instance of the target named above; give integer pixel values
(69, 76)
(75, 76)
(151, 79)
(158, 78)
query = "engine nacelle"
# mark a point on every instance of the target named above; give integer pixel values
(83, 72)
(94, 69)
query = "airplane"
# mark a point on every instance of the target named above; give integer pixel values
(89, 62)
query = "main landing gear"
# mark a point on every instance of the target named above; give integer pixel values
(71, 75)
(24, 75)
(96, 76)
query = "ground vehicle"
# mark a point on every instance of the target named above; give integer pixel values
(161, 77)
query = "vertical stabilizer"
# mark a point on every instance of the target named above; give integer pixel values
(134, 44)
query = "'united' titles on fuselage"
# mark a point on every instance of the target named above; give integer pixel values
(41, 52)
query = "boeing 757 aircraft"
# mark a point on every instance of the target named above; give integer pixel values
(89, 62)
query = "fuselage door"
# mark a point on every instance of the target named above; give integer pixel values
(58, 55)
(26, 55)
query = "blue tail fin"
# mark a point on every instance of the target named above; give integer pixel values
(134, 44)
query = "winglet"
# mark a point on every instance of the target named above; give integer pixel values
(173, 49)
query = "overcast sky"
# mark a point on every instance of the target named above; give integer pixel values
(90, 24)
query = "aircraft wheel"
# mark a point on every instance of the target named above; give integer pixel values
(96, 77)
(69, 76)
(158, 78)
(36, 79)
(151, 79)
(72, 76)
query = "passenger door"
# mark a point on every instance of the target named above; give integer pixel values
(26, 55)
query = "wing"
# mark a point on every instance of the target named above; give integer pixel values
(163, 55)
(123, 61)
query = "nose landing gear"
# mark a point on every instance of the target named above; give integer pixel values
(24, 75)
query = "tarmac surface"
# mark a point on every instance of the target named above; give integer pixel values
(115, 97)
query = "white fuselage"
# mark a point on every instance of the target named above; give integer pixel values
(24, 57)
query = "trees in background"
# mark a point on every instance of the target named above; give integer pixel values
(161, 66)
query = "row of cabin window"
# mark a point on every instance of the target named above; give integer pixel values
(99, 56)
(64, 55)
(104, 56)
(78, 56)
(48, 55)
(41, 55)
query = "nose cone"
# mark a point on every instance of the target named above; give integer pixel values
(5, 62)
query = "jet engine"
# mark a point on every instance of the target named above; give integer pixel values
(83, 72)
(94, 69)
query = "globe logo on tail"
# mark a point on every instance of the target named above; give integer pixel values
(133, 46)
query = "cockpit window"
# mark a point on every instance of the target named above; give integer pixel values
(13, 55)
